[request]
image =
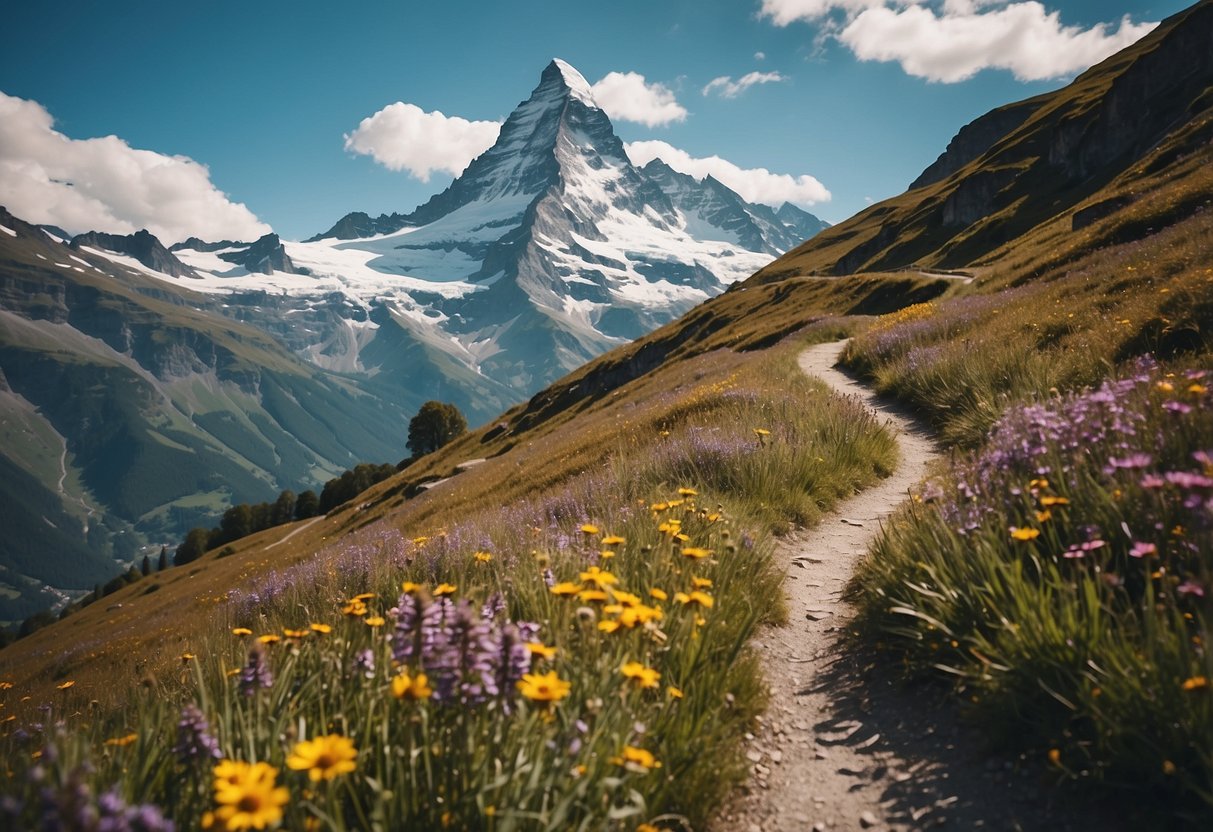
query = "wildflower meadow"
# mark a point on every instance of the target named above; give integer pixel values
(573, 660)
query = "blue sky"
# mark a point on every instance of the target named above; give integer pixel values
(263, 93)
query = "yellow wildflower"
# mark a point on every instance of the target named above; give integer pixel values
(644, 677)
(1196, 683)
(695, 552)
(483, 557)
(269, 638)
(247, 795)
(410, 587)
(598, 577)
(659, 594)
(541, 650)
(65, 685)
(374, 621)
(120, 742)
(613, 540)
(241, 631)
(411, 687)
(546, 688)
(444, 589)
(321, 628)
(636, 759)
(324, 758)
(688, 492)
(692, 598)
(1024, 534)
(590, 529)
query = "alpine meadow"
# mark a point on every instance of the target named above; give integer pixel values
(615, 486)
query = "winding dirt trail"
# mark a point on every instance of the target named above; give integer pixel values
(841, 746)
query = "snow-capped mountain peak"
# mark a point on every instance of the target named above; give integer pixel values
(577, 86)
(550, 248)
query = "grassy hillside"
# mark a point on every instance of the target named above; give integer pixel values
(1053, 166)
(134, 411)
(1055, 577)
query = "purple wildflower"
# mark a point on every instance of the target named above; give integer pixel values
(364, 663)
(256, 673)
(194, 738)
(1142, 548)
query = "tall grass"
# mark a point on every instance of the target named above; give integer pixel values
(1062, 577)
(583, 648)
(963, 360)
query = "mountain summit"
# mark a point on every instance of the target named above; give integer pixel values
(564, 247)
(549, 249)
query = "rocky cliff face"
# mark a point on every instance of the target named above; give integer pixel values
(142, 245)
(265, 256)
(1027, 163)
(359, 224)
(1154, 91)
(975, 138)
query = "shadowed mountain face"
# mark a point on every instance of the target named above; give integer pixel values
(132, 410)
(1022, 165)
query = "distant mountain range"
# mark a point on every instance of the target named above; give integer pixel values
(143, 389)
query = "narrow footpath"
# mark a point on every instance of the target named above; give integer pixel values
(842, 746)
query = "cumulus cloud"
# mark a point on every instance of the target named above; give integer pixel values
(104, 184)
(628, 97)
(1023, 38)
(405, 137)
(726, 87)
(784, 12)
(760, 56)
(953, 40)
(753, 184)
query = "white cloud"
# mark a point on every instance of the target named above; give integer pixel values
(784, 12)
(628, 97)
(760, 56)
(1023, 38)
(405, 137)
(104, 184)
(953, 40)
(728, 88)
(753, 184)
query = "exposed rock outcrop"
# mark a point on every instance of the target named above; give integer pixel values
(142, 245)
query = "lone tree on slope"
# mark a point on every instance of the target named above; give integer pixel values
(435, 424)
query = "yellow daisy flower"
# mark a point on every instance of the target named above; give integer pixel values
(324, 758)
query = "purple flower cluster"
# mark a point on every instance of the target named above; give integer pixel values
(951, 319)
(470, 657)
(72, 807)
(194, 738)
(1056, 440)
(256, 673)
(1111, 477)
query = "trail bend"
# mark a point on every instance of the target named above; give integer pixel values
(842, 746)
